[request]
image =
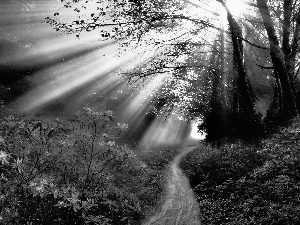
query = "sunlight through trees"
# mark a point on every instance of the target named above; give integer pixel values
(215, 60)
(176, 71)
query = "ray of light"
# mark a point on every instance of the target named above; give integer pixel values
(142, 99)
(85, 68)
(162, 131)
(66, 77)
(236, 7)
(33, 41)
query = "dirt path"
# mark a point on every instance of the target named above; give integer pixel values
(180, 206)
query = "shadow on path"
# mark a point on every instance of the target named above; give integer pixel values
(180, 206)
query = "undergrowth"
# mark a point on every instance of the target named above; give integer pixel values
(157, 158)
(72, 171)
(249, 184)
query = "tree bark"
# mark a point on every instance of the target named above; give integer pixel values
(287, 28)
(223, 72)
(296, 39)
(278, 59)
(286, 46)
(295, 48)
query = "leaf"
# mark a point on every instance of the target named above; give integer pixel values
(76, 207)
(4, 157)
(55, 194)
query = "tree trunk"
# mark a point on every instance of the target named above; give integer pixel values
(295, 48)
(286, 28)
(278, 59)
(245, 95)
(296, 39)
(215, 121)
(286, 46)
(223, 68)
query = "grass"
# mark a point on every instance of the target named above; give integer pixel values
(249, 183)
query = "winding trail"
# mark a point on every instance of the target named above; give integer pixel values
(180, 206)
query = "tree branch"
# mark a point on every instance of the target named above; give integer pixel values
(265, 67)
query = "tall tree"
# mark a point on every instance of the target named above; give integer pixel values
(245, 94)
(181, 33)
(282, 56)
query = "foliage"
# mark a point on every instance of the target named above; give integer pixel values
(63, 171)
(180, 47)
(166, 34)
(56, 171)
(184, 45)
(226, 124)
(118, 19)
(249, 184)
(157, 158)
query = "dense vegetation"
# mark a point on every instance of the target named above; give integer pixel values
(55, 171)
(73, 172)
(249, 184)
(66, 172)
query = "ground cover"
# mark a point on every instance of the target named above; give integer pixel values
(257, 183)
(57, 172)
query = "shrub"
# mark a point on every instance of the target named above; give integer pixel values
(63, 171)
(239, 184)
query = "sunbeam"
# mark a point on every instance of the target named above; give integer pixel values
(66, 72)
(236, 7)
(165, 131)
(65, 77)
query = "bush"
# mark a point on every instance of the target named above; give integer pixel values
(72, 171)
(247, 184)
(63, 171)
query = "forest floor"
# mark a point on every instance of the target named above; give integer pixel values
(179, 205)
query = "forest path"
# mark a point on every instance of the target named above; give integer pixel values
(180, 206)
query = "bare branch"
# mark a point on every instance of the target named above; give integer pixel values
(265, 67)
